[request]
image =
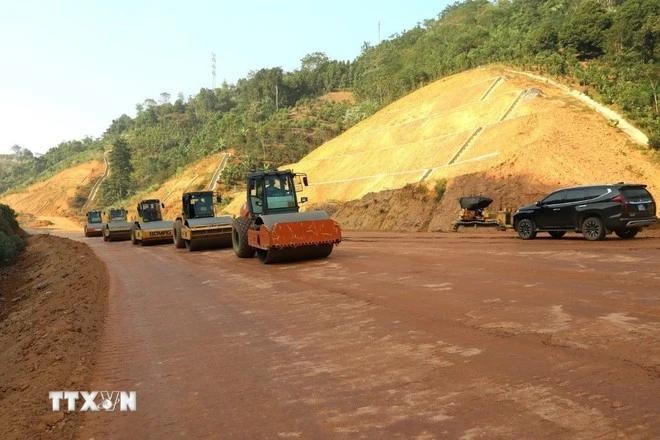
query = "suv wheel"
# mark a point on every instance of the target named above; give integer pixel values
(526, 229)
(593, 229)
(626, 233)
(557, 234)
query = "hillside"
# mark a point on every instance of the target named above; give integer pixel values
(489, 131)
(193, 178)
(59, 195)
(273, 117)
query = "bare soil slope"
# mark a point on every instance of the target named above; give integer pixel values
(54, 196)
(194, 178)
(489, 131)
(52, 305)
(48, 204)
(511, 136)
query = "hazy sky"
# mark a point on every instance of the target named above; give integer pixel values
(69, 67)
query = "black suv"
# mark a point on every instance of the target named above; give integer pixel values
(593, 210)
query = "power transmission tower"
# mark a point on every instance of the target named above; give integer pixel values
(213, 69)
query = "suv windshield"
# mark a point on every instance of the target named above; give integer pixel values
(94, 217)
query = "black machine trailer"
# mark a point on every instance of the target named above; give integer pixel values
(472, 214)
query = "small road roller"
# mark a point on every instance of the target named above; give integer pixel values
(149, 227)
(94, 225)
(115, 224)
(198, 227)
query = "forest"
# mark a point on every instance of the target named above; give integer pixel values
(606, 48)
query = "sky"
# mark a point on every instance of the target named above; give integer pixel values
(67, 68)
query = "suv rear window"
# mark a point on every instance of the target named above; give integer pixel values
(636, 194)
(595, 191)
(583, 194)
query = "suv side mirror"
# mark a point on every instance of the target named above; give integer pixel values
(162, 205)
(303, 200)
(305, 182)
(218, 198)
(538, 203)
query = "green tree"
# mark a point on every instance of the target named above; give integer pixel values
(119, 184)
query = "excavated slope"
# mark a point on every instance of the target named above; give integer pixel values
(489, 130)
(54, 196)
(193, 178)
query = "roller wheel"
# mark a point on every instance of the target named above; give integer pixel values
(557, 234)
(176, 235)
(134, 239)
(87, 234)
(627, 233)
(593, 229)
(294, 254)
(192, 245)
(266, 257)
(239, 238)
(526, 229)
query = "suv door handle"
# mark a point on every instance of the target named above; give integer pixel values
(556, 209)
(582, 206)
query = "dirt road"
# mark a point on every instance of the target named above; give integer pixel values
(394, 336)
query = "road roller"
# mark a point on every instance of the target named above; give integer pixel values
(149, 227)
(198, 227)
(271, 224)
(115, 224)
(94, 224)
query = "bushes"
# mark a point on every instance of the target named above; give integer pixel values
(654, 141)
(10, 242)
(440, 188)
(10, 247)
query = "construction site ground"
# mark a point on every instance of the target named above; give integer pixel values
(53, 302)
(396, 335)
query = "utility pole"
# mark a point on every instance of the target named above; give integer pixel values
(213, 70)
(378, 31)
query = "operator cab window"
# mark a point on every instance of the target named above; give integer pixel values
(151, 212)
(94, 217)
(117, 215)
(280, 193)
(256, 195)
(201, 206)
